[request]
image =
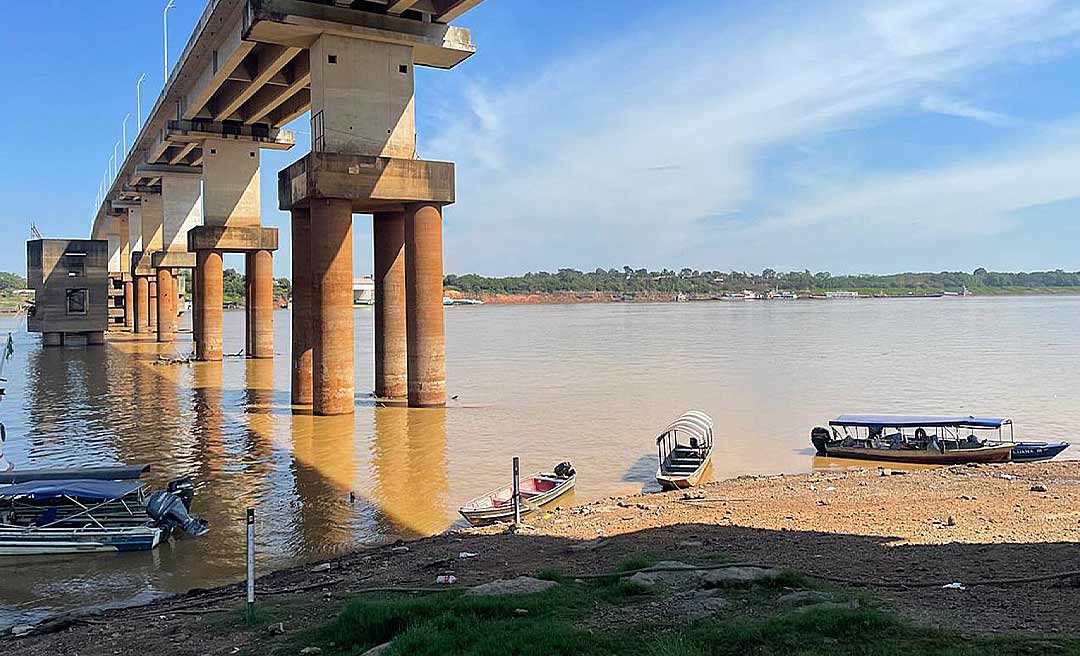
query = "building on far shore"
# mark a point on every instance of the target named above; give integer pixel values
(70, 279)
(363, 291)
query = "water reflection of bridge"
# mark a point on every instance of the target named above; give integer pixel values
(319, 483)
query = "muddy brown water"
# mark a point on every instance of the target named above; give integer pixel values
(587, 383)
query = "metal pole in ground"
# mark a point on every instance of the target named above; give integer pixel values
(251, 565)
(517, 493)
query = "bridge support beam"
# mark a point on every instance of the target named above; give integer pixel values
(166, 306)
(391, 363)
(424, 306)
(332, 358)
(260, 301)
(142, 304)
(302, 308)
(152, 314)
(129, 304)
(208, 290)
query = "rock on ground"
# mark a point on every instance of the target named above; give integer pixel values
(736, 576)
(520, 585)
(803, 597)
(686, 577)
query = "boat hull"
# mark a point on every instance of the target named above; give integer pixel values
(1037, 451)
(477, 513)
(37, 542)
(680, 482)
(922, 457)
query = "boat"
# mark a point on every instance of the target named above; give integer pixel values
(684, 450)
(74, 516)
(111, 473)
(537, 490)
(931, 440)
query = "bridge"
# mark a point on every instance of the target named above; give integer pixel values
(187, 191)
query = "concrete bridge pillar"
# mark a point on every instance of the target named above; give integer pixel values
(260, 303)
(196, 313)
(424, 306)
(332, 358)
(129, 305)
(142, 304)
(208, 290)
(391, 363)
(302, 337)
(152, 314)
(166, 306)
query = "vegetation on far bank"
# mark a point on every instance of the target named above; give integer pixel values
(713, 283)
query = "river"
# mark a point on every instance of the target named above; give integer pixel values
(587, 383)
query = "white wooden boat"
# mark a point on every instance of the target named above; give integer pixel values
(684, 451)
(537, 490)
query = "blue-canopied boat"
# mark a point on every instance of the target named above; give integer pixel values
(67, 516)
(927, 439)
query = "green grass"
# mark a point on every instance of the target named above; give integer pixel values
(575, 619)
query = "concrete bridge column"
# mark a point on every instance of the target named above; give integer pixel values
(302, 337)
(196, 313)
(166, 306)
(142, 304)
(208, 290)
(129, 305)
(152, 314)
(260, 303)
(332, 358)
(391, 363)
(424, 306)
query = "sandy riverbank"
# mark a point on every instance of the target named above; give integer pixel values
(903, 534)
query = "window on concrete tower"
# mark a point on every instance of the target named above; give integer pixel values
(76, 301)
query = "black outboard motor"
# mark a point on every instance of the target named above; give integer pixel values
(183, 488)
(819, 437)
(564, 470)
(168, 509)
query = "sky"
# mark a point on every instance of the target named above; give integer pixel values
(847, 136)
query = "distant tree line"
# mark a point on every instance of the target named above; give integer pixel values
(9, 282)
(691, 281)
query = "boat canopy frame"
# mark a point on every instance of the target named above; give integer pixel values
(694, 425)
(920, 421)
(103, 492)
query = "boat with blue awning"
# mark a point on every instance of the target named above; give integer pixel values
(927, 439)
(67, 516)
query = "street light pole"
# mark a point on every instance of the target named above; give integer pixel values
(116, 162)
(124, 130)
(138, 103)
(165, 21)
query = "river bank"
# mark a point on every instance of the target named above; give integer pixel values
(577, 298)
(896, 538)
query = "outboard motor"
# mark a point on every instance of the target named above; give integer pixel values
(168, 509)
(819, 437)
(183, 488)
(564, 470)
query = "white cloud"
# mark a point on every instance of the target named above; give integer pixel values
(951, 107)
(616, 155)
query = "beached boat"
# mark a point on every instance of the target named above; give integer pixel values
(69, 516)
(684, 450)
(537, 490)
(931, 440)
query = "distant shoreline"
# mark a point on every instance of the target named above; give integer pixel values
(582, 298)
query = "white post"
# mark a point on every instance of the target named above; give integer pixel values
(127, 117)
(251, 565)
(138, 103)
(517, 492)
(165, 21)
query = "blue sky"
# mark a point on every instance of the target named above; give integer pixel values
(839, 136)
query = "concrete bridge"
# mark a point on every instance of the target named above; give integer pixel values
(188, 190)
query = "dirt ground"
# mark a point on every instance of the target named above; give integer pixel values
(900, 536)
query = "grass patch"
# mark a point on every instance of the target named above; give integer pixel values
(638, 561)
(552, 623)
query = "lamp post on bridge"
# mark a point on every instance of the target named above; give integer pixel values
(116, 162)
(124, 131)
(165, 21)
(138, 103)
